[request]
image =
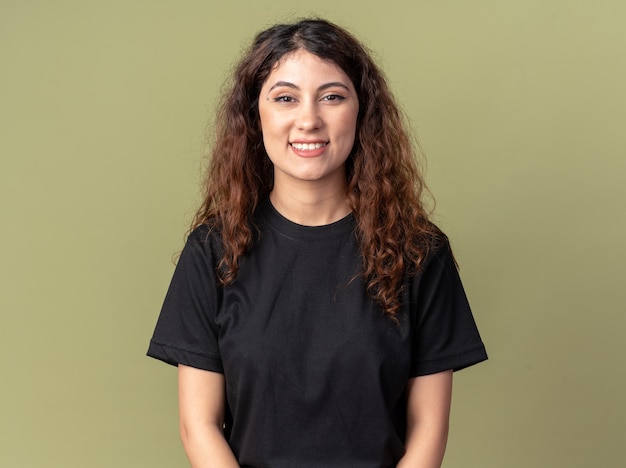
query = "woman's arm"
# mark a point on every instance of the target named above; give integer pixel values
(201, 400)
(428, 415)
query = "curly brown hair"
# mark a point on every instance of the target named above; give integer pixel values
(385, 186)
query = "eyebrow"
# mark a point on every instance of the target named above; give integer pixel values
(320, 88)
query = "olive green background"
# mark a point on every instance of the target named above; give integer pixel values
(520, 107)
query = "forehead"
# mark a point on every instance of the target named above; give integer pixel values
(303, 65)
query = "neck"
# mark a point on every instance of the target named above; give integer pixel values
(308, 205)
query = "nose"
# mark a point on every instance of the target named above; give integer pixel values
(308, 117)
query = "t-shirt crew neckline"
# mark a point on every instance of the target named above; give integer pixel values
(283, 225)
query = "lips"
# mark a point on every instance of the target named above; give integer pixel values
(308, 146)
(308, 149)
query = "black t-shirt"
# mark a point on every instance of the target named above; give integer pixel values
(315, 373)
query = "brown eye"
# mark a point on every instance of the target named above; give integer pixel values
(284, 99)
(333, 97)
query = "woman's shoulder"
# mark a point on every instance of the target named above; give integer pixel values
(434, 245)
(430, 236)
(439, 254)
(206, 237)
(202, 232)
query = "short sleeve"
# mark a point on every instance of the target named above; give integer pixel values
(186, 332)
(444, 332)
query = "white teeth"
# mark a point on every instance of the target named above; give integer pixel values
(307, 146)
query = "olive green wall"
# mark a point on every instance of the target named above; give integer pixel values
(521, 110)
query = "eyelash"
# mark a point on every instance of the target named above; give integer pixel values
(328, 98)
(335, 97)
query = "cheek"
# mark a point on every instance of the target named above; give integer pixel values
(270, 123)
(349, 126)
(349, 119)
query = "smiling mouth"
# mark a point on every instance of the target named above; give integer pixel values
(308, 146)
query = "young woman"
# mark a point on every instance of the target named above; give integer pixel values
(316, 314)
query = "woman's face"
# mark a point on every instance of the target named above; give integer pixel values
(308, 109)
